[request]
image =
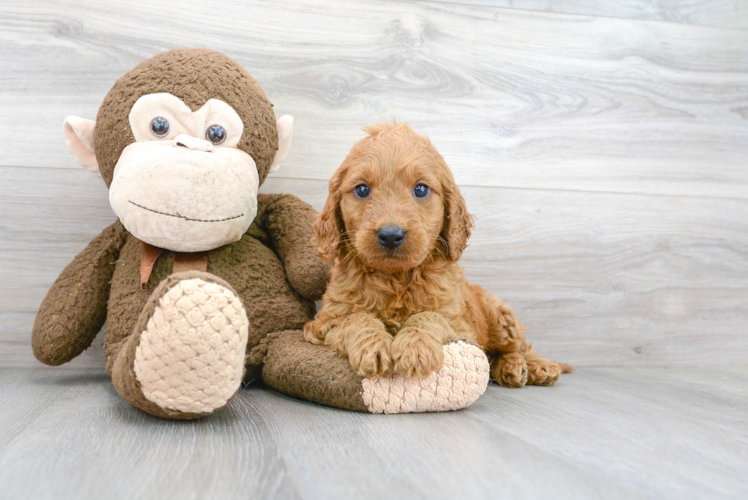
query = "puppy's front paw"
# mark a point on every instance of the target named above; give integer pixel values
(313, 333)
(416, 353)
(370, 353)
(510, 370)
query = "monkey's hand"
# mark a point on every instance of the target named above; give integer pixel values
(289, 222)
(74, 309)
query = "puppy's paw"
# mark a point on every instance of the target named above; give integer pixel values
(510, 370)
(543, 372)
(369, 354)
(313, 333)
(416, 354)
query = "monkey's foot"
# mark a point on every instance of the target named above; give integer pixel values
(460, 381)
(187, 351)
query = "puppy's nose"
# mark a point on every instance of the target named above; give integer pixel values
(390, 237)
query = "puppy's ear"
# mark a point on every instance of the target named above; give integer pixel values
(329, 226)
(458, 223)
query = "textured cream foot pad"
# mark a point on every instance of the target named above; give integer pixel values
(191, 355)
(460, 381)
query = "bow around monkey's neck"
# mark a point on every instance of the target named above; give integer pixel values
(182, 261)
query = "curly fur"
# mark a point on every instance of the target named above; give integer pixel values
(392, 310)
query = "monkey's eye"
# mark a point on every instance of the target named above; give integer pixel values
(160, 127)
(362, 191)
(215, 134)
(421, 191)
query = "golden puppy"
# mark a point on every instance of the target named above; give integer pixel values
(396, 224)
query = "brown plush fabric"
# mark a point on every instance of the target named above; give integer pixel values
(123, 374)
(195, 76)
(290, 226)
(76, 306)
(124, 381)
(74, 309)
(250, 265)
(274, 268)
(295, 367)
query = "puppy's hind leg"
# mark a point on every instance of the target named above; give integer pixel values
(505, 343)
(509, 370)
(514, 363)
(543, 371)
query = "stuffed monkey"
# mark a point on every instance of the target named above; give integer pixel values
(205, 283)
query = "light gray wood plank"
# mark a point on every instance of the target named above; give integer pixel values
(631, 425)
(720, 13)
(602, 105)
(512, 98)
(419, 456)
(104, 449)
(604, 158)
(598, 278)
(612, 433)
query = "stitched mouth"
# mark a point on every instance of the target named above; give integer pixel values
(178, 216)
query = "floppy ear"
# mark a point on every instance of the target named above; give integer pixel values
(285, 132)
(79, 137)
(458, 223)
(329, 226)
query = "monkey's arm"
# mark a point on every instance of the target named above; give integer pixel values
(75, 307)
(289, 223)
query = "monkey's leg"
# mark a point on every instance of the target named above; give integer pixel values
(318, 373)
(185, 356)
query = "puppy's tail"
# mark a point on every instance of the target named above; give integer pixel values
(565, 368)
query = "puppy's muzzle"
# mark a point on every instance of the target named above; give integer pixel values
(391, 237)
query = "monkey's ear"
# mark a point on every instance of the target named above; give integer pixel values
(285, 132)
(79, 136)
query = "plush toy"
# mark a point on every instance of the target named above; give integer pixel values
(203, 282)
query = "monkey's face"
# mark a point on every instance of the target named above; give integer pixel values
(183, 184)
(183, 141)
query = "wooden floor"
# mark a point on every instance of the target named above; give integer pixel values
(601, 433)
(602, 146)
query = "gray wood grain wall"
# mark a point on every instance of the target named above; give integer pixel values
(602, 146)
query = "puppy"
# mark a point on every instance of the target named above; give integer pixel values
(396, 224)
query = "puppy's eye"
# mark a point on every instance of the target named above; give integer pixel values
(160, 127)
(215, 134)
(421, 191)
(362, 191)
